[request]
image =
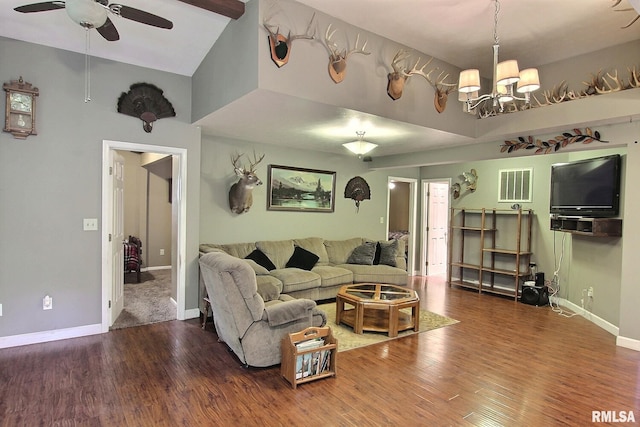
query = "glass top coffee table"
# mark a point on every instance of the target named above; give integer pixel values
(378, 307)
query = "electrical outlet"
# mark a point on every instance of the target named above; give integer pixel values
(590, 292)
(161, 251)
(90, 224)
(47, 303)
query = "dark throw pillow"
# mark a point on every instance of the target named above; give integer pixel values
(388, 253)
(363, 254)
(259, 257)
(303, 259)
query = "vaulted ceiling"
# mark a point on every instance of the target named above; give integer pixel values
(459, 32)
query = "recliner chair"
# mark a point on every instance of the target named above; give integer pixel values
(249, 326)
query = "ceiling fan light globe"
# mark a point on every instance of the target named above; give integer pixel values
(87, 13)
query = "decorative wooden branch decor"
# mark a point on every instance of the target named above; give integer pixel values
(554, 144)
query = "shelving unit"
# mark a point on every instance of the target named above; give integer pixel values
(596, 227)
(297, 365)
(490, 249)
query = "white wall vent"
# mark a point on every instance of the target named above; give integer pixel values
(516, 185)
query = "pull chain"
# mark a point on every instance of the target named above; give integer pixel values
(87, 67)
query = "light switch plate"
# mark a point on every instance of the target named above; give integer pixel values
(90, 224)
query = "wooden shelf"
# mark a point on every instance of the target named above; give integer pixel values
(596, 227)
(480, 257)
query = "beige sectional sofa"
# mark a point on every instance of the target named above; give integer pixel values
(293, 271)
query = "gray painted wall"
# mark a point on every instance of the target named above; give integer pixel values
(50, 182)
(219, 225)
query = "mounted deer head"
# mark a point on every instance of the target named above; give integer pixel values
(281, 45)
(337, 58)
(400, 75)
(240, 197)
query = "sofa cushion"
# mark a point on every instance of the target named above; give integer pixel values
(269, 279)
(295, 279)
(261, 259)
(316, 246)
(238, 250)
(363, 254)
(388, 252)
(339, 250)
(377, 274)
(302, 258)
(333, 276)
(278, 251)
(268, 291)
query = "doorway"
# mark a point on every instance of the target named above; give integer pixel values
(402, 194)
(111, 215)
(435, 220)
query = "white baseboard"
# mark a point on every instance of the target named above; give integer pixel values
(598, 321)
(631, 343)
(158, 267)
(192, 313)
(47, 336)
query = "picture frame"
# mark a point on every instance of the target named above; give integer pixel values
(301, 190)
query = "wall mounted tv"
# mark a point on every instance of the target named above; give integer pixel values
(586, 188)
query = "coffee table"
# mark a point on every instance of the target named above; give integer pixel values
(377, 307)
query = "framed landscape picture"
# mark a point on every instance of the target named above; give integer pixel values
(298, 189)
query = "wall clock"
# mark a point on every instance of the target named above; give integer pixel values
(20, 112)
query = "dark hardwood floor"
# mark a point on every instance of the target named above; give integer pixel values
(505, 363)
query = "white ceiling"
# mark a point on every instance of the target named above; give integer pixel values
(460, 32)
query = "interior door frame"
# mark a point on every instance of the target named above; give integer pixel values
(425, 222)
(179, 210)
(413, 223)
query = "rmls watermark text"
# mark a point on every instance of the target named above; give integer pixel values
(613, 417)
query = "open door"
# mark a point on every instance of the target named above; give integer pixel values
(436, 218)
(117, 236)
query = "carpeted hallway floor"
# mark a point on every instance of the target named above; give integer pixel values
(148, 301)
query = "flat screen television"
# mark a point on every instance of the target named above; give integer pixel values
(586, 188)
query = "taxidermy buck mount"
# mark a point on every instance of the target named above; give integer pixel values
(337, 58)
(280, 45)
(240, 194)
(400, 75)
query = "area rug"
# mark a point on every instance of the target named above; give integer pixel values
(148, 301)
(348, 340)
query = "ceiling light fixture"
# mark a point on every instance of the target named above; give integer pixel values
(360, 147)
(505, 75)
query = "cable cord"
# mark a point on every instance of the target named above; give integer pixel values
(554, 283)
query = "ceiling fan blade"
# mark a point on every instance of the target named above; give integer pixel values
(141, 16)
(40, 7)
(109, 31)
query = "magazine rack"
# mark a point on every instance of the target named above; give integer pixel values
(308, 355)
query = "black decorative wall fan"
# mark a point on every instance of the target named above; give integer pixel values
(358, 190)
(95, 14)
(146, 102)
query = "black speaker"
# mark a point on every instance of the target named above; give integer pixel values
(540, 279)
(535, 295)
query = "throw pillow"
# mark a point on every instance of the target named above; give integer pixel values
(388, 252)
(259, 257)
(302, 258)
(363, 254)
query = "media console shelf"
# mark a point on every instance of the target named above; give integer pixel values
(596, 227)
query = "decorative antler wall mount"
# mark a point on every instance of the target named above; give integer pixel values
(338, 58)
(281, 45)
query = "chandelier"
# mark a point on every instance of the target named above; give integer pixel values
(505, 75)
(360, 147)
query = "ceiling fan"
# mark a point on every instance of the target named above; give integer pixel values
(94, 14)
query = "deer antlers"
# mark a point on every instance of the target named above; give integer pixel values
(252, 164)
(337, 58)
(633, 21)
(399, 75)
(281, 45)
